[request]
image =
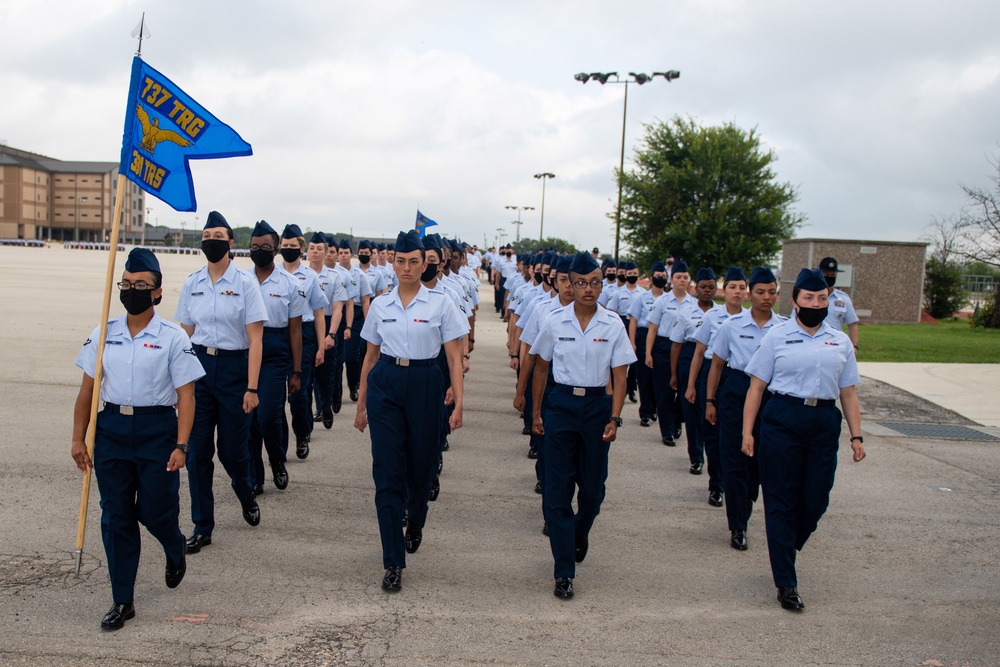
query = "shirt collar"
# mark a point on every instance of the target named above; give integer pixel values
(421, 296)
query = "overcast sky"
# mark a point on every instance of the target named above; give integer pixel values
(360, 112)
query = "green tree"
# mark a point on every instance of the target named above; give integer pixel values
(707, 194)
(944, 293)
(530, 245)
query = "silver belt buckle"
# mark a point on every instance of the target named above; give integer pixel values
(126, 410)
(811, 402)
(212, 351)
(579, 391)
(402, 362)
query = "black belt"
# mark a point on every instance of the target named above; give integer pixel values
(275, 330)
(216, 352)
(578, 391)
(811, 402)
(133, 411)
(398, 361)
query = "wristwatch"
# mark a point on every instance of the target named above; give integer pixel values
(182, 446)
(617, 421)
(858, 438)
(711, 400)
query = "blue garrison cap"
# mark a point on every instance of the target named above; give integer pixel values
(704, 274)
(455, 245)
(410, 241)
(263, 229)
(291, 232)
(142, 259)
(680, 266)
(811, 280)
(330, 241)
(658, 266)
(547, 258)
(431, 242)
(391, 247)
(215, 219)
(608, 263)
(735, 273)
(531, 260)
(584, 263)
(563, 263)
(762, 274)
(630, 265)
(380, 247)
(364, 245)
(344, 244)
(319, 237)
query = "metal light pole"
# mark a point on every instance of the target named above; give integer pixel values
(640, 78)
(541, 224)
(518, 221)
(79, 200)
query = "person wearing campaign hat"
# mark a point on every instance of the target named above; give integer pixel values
(221, 309)
(725, 392)
(806, 365)
(659, 349)
(841, 307)
(638, 328)
(586, 347)
(400, 398)
(734, 288)
(353, 343)
(281, 356)
(141, 441)
(620, 303)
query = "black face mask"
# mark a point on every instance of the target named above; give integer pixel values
(621, 278)
(262, 258)
(290, 254)
(659, 281)
(215, 249)
(632, 280)
(509, 255)
(538, 277)
(364, 259)
(830, 280)
(430, 273)
(812, 317)
(611, 277)
(136, 301)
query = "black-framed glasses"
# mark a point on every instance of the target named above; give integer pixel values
(267, 247)
(140, 286)
(582, 284)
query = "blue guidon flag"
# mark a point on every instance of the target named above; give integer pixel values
(164, 129)
(423, 222)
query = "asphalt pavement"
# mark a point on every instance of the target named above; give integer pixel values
(902, 570)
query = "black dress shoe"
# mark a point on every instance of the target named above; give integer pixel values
(697, 467)
(582, 545)
(644, 422)
(532, 453)
(789, 598)
(328, 419)
(525, 431)
(280, 475)
(406, 517)
(251, 513)
(677, 433)
(414, 536)
(445, 447)
(545, 528)
(435, 490)
(258, 490)
(668, 441)
(392, 582)
(117, 615)
(564, 588)
(715, 498)
(302, 448)
(354, 395)
(738, 540)
(632, 398)
(174, 572)
(538, 486)
(318, 417)
(336, 406)
(440, 464)
(653, 418)
(196, 542)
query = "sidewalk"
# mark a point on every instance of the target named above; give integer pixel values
(971, 390)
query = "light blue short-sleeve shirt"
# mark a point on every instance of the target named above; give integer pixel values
(221, 312)
(417, 331)
(583, 358)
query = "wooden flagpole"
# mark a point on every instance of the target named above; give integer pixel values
(99, 368)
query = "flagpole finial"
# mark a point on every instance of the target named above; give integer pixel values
(142, 32)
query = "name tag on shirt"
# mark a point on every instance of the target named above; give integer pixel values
(197, 293)
(388, 321)
(792, 342)
(744, 336)
(567, 339)
(112, 342)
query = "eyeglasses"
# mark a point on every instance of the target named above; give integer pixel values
(267, 247)
(582, 284)
(140, 286)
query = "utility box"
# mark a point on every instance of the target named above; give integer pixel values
(885, 279)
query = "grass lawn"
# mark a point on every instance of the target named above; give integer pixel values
(949, 341)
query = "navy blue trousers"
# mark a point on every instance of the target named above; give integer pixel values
(576, 457)
(354, 349)
(329, 384)
(130, 460)
(709, 432)
(740, 475)
(219, 405)
(665, 396)
(644, 377)
(404, 418)
(798, 460)
(300, 403)
(267, 423)
(692, 421)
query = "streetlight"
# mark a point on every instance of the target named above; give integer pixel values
(541, 224)
(518, 221)
(640, 78)
(79, 200)
(501, 234)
